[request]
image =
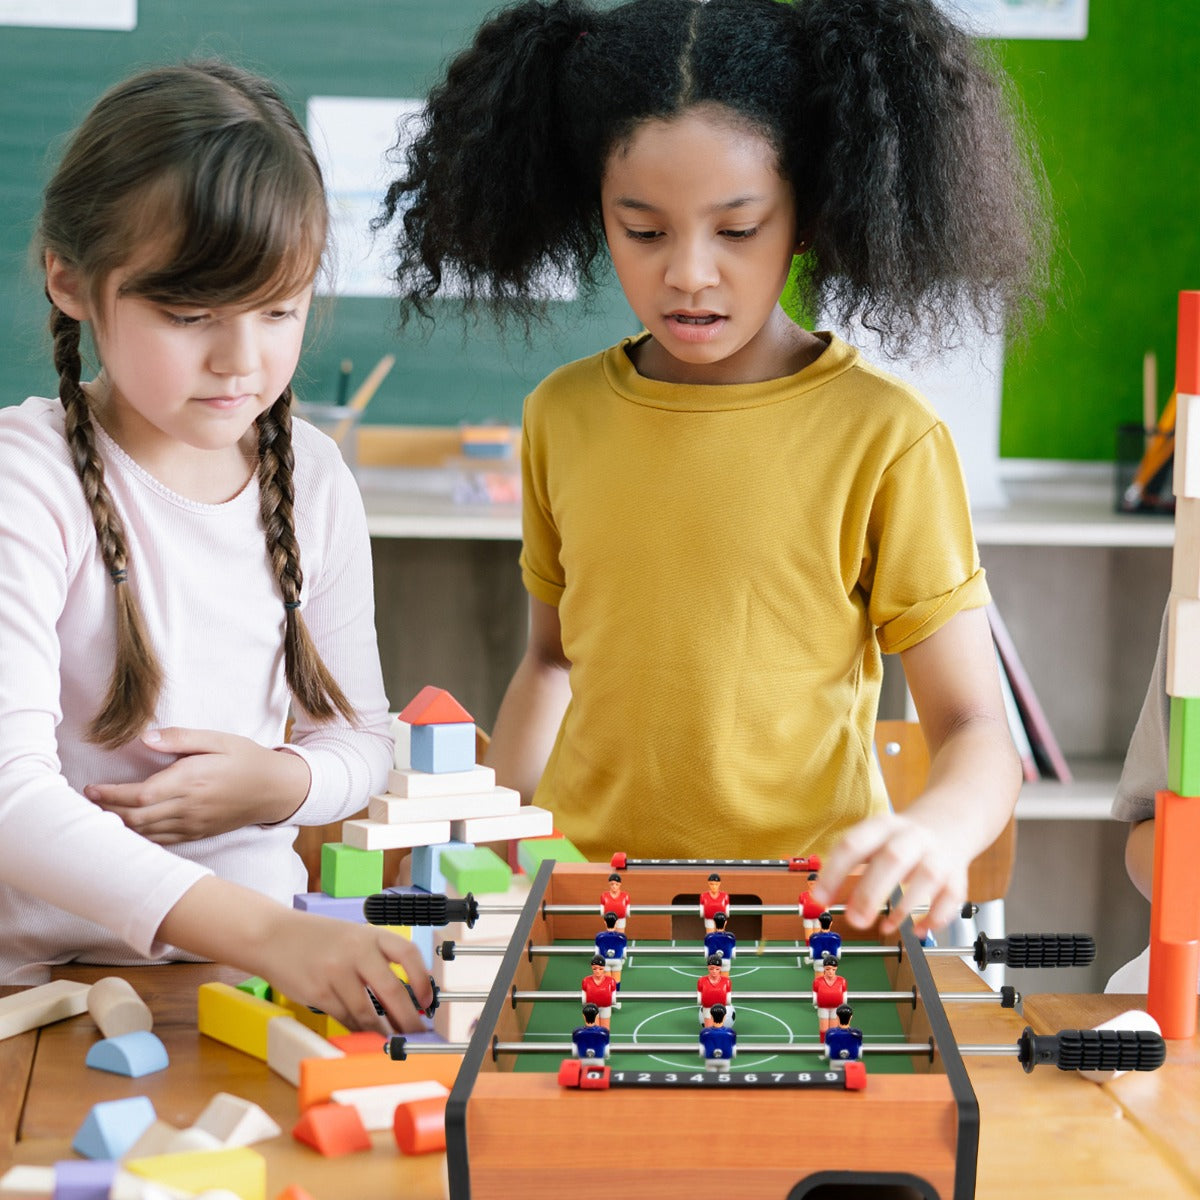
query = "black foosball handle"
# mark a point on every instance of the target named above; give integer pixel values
(1093, 1050)
(418, 908)
(1035, 950)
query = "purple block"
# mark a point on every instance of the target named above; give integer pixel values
(344, 908)
(83, 1179)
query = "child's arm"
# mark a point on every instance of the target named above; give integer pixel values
(316, 960)
(1139, 856)
(219, 782)
(974, 779)
(533, 705)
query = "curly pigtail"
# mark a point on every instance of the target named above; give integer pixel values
(137, 675)
(310, 681)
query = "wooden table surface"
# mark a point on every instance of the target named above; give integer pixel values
(1043, 1136)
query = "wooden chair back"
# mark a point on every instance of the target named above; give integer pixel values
(904, 761)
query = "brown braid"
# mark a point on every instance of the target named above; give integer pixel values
(310, 681)
(137, 676)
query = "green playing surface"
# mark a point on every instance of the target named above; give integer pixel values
(648, 1023)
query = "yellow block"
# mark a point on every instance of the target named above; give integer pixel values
(236, 1018)
(318, 1022)
(241, 1170)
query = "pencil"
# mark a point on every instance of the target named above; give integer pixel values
(1159, 449)
(362, 397)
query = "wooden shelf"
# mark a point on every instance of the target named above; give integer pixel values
(1088, 797)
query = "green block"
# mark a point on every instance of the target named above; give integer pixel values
(348, 871)
(532, 852)
(475, 869)
(1184, 767)
(256, 986)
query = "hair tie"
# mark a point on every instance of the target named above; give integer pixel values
(118, 575)
(291, 605)
(582, 34)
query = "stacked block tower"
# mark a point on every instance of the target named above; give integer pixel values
(443, 806)
(1175, 900)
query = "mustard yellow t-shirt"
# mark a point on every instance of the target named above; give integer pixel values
(729, 563)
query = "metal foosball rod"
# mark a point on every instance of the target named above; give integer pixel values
(1018, 950)
(1006, 997)
(1068, 1049)
(806, 862)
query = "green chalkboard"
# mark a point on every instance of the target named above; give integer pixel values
(365, 48)
(1115, 116)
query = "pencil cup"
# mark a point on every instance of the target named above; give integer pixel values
(1142, 472)
(338, 421)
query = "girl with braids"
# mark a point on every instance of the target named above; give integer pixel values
(728, 519)
(180, 562)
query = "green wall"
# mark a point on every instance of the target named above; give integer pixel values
(1115, 116)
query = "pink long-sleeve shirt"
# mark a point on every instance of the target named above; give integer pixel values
(75, 883)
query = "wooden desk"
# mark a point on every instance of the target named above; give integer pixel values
(1048, 1135)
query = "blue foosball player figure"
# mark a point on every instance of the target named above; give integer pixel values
(824, 942)
(718, 1043)
(843, 1041)
(720, 942)
(590, 1040)
(610, 945)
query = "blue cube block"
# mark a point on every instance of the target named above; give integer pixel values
(436, 749)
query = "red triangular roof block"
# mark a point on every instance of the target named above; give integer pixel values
(332, 1130)
(435, 706)
(294, 1191)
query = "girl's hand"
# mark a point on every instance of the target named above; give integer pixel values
(219, 782)
(897, 850)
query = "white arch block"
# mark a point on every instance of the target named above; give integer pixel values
(234, 1121)
(117, 1008)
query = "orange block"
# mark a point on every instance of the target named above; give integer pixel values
(294, 1191)
(332, 1130)
(321, 1077)
(363, 1042)
(1187, 346)
(420, 1125)
(434, 706)
(1175, 915)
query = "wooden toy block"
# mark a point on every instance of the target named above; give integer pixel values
(117, 1008)
(1187, 345)
(530, 822)
(467, 973)
(332, 1130)
(28, 1181)
(427, 865)
(479, 870)
(455, 1020)
(38, 1006)
(410, 784)
(112, 1126)
(491, 928)
(86, 1180)
(238, 1170)
(532, 852)
(376, 1106)
(1175, 913)
(321, 1077)
(434, 706)
(164, 1138)
(442, 748)
(1183, 760)
(133, 1054)
(1183, 639)
(294, 1192)
(376, 837)
(1185, 471)
(236, 1018)
(256, 986)
(319, 1022)
(289, 1042)
(419, 1126)
(401, 744)
(396, 810)
(234, 1121)
(341, 908)
(1185, 557)
(348, 869)
(364, 1041)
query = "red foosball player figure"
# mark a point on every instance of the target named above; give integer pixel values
(599, 988)
(718, 1042)
(829, 991)
(590, 1040)
(715, 990)
(720, 942)
(713, 901)
(810, 910)
(824, 942)
(615, 900)
(610, 945)
(843, 1042)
